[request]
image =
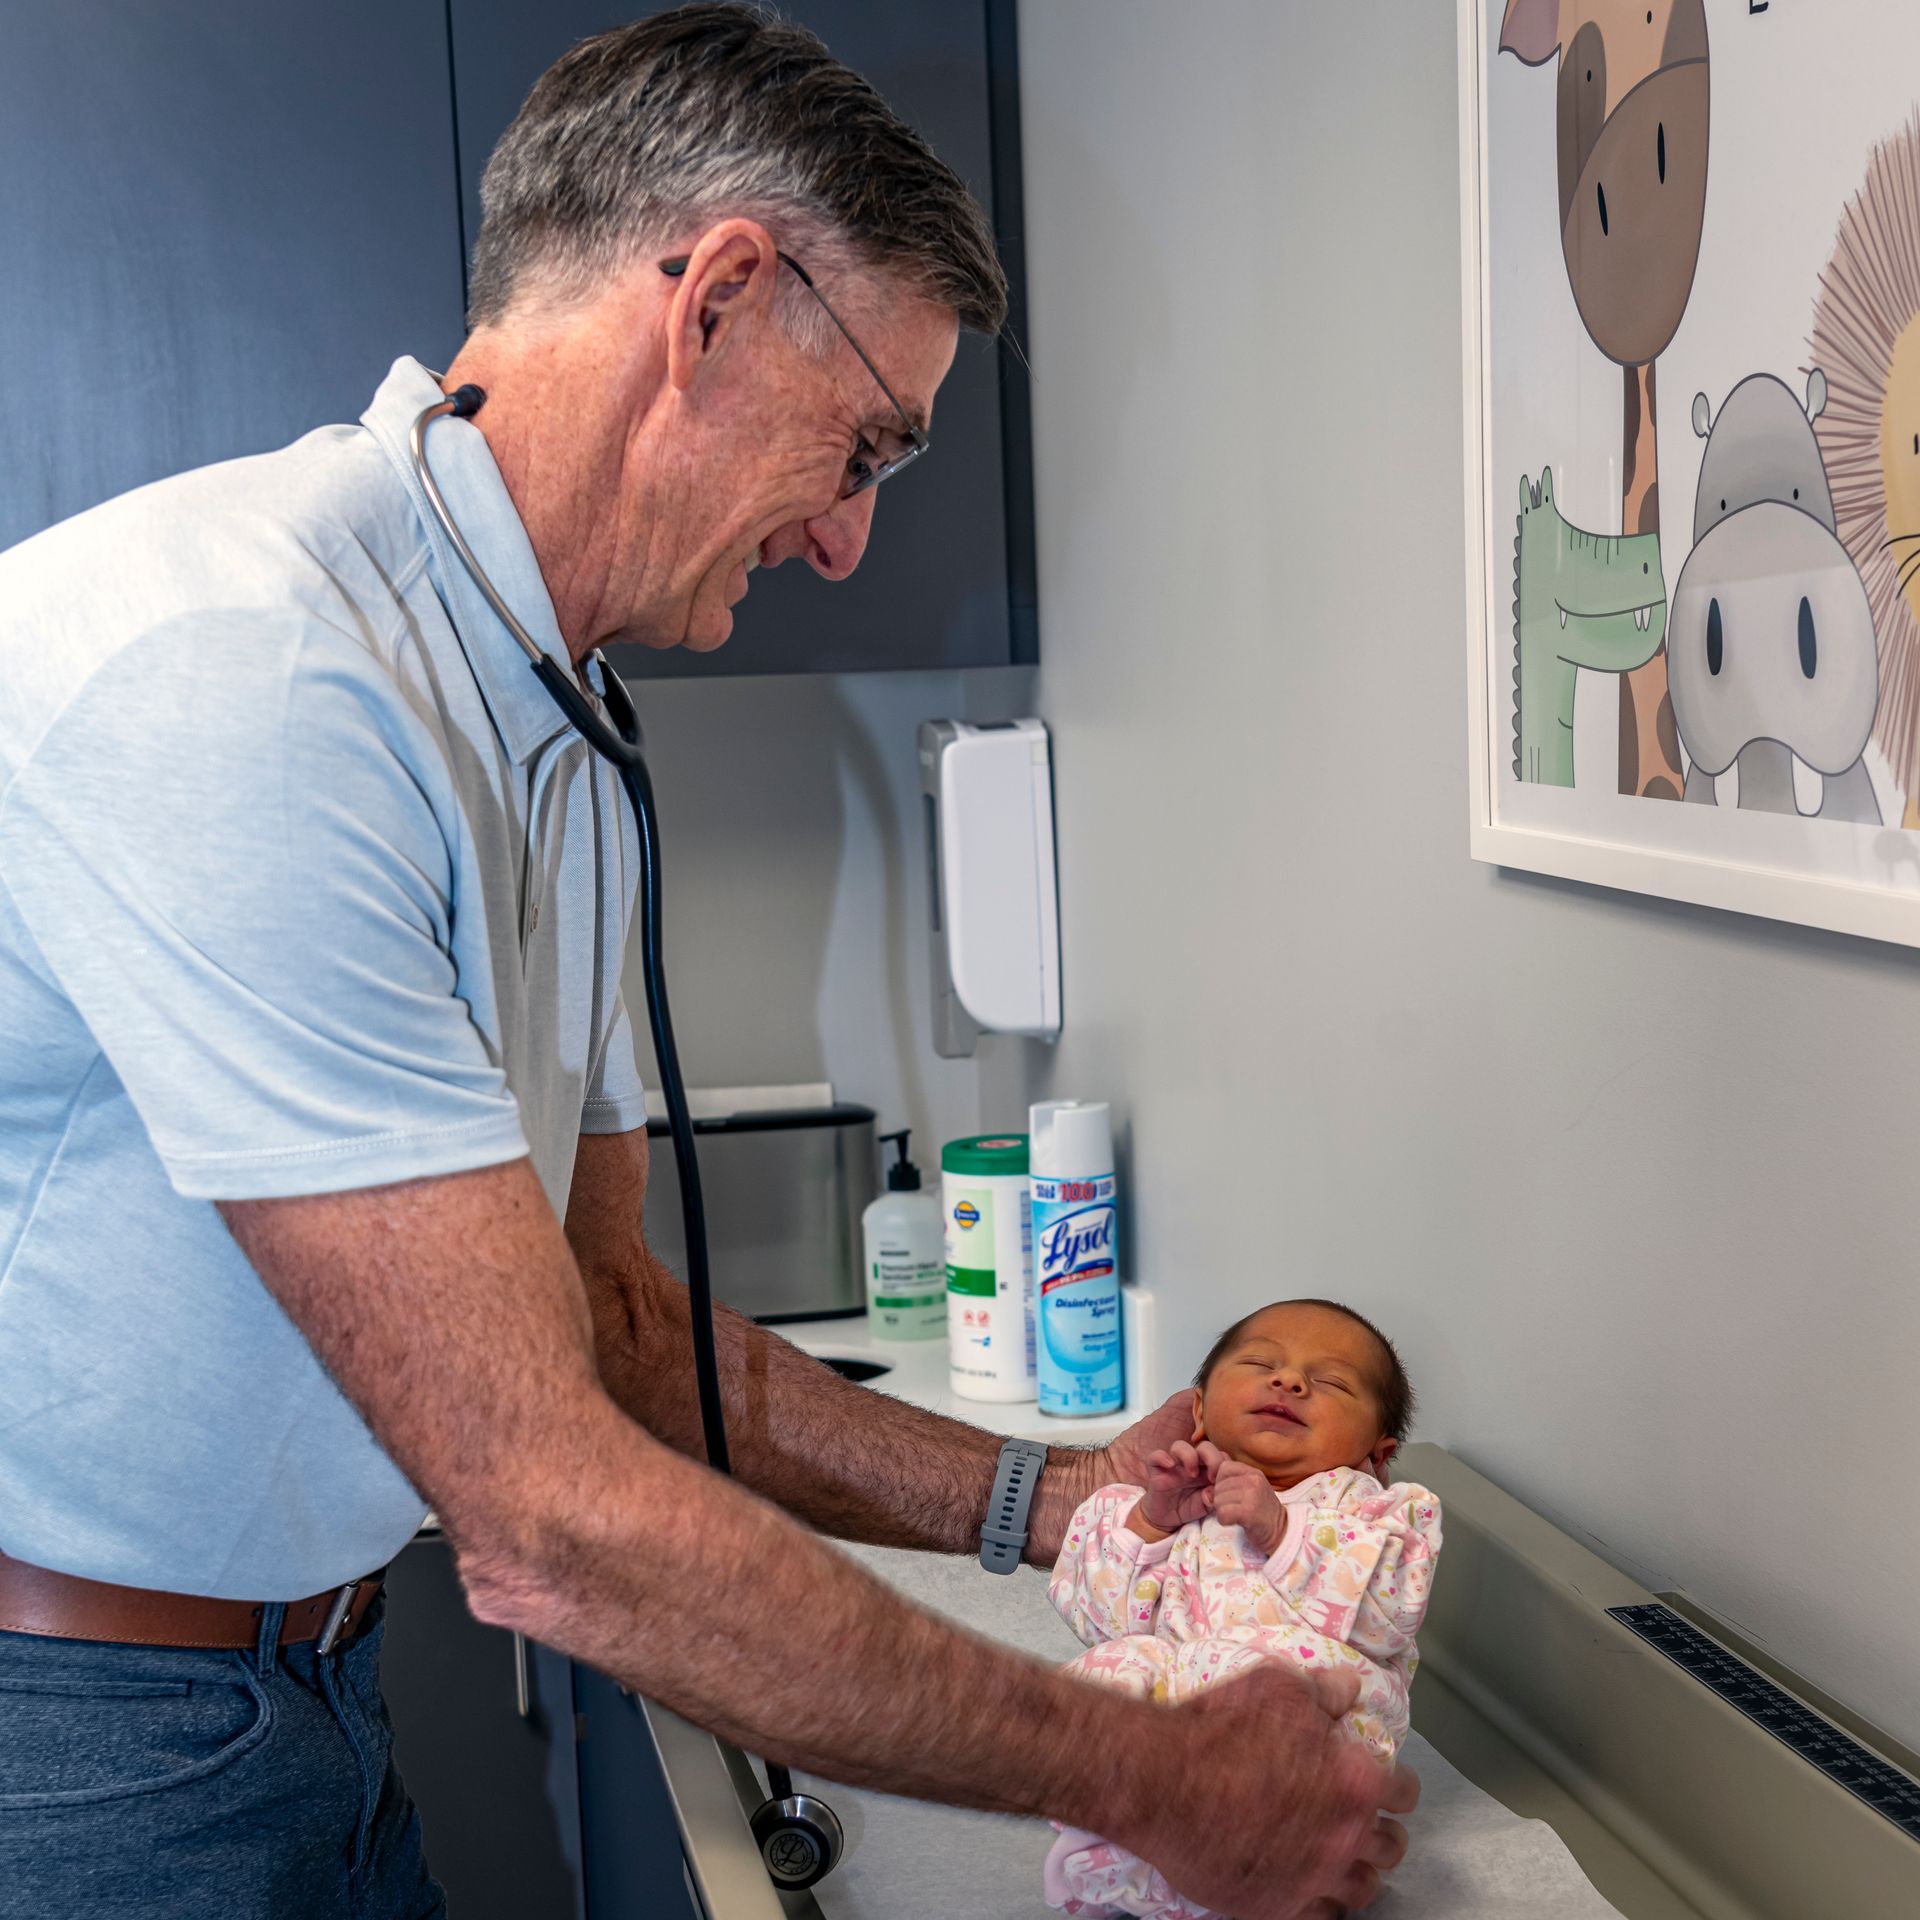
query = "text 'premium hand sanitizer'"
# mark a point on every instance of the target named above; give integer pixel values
(1076, 1269)
(906, 1257)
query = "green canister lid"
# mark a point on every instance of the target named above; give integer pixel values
(985, 1153)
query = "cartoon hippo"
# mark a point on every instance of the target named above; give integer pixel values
(1770, 635)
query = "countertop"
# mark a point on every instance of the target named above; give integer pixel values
(917, 1372)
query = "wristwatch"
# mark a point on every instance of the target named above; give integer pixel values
(1003, 1534)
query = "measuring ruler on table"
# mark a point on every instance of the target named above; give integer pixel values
(1888, 1791)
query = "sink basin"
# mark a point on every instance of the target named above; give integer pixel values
(856, 1369)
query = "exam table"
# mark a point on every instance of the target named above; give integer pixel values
(1586, 1749)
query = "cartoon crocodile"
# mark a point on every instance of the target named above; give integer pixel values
(1579, 600)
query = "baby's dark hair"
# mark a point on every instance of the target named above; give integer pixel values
(1394, 1388)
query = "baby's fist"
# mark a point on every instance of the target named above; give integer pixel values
(1179, 1480)
(1242, 1498)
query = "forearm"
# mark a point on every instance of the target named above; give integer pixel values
(699, 1595)
(451, 1313)
(854, 1463)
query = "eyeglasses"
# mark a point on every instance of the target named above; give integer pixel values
(868, 466)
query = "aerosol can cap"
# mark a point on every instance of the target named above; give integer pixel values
(1071, 1138)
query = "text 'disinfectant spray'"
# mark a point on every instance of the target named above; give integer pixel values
(1076, 1267)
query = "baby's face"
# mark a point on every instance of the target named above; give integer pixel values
(1297, 1393)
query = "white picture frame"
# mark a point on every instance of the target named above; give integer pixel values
(1855, 878)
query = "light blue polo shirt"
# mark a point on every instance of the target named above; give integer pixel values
(305, 884)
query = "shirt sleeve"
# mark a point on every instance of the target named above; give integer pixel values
(1104, 1584)
(616, 1099)
(236, 853)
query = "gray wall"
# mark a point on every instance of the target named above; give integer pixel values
(1628, 1181)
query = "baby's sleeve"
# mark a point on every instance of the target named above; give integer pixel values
(1365, 1570)
(1100, 1565)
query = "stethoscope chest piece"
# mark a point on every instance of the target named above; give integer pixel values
(800, 1839)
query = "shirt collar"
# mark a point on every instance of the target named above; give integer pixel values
(477, 498)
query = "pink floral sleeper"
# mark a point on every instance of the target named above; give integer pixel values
(1345, 1589)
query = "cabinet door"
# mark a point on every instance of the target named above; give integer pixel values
(635, 1869)
(498, 1792)
(221, 223)
(947, 580)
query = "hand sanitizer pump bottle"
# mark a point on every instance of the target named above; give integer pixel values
(906, 1256)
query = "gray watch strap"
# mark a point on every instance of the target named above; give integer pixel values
(1003, 1534)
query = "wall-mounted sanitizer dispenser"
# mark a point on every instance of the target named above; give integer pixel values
(996, 916)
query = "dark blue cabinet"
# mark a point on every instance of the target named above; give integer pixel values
(497, 1787)
(948, 577)
(630, 1839)
(547, 1805)
(220, 223)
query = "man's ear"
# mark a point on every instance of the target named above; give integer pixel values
(1199, 1425)
(1383, 1451)
(728, 285)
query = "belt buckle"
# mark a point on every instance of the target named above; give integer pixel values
(337, 1616)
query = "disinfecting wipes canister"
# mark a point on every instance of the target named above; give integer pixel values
(984, 1205)
(1076, 1271)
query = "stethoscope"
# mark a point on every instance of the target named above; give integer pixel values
(799, 1836)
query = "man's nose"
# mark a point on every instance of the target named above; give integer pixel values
(837, 538)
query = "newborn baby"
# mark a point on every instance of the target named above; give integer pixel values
(1270, 1536)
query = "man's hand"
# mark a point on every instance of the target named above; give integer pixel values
(1125, 1458)
(1243, 1498)
(1297, 1822)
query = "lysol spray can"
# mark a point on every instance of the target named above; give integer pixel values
(1076, 1268)
(984, 1206)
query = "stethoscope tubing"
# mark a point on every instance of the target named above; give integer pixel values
(618, 740)
(619, 743)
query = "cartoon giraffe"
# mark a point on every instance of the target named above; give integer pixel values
(1632, 137)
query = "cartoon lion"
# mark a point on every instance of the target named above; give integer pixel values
(1866, 338)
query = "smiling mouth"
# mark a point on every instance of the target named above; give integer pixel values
(1642, 616)
(746, 566)
(1279, 1412)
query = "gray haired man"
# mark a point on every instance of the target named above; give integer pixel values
(320, 1168)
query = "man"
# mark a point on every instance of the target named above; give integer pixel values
(321, 1144)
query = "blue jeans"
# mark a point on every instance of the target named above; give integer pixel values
(174, 1784)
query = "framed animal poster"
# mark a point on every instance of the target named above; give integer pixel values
(1691, 282)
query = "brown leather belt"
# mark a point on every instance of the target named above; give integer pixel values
(64, 1607)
